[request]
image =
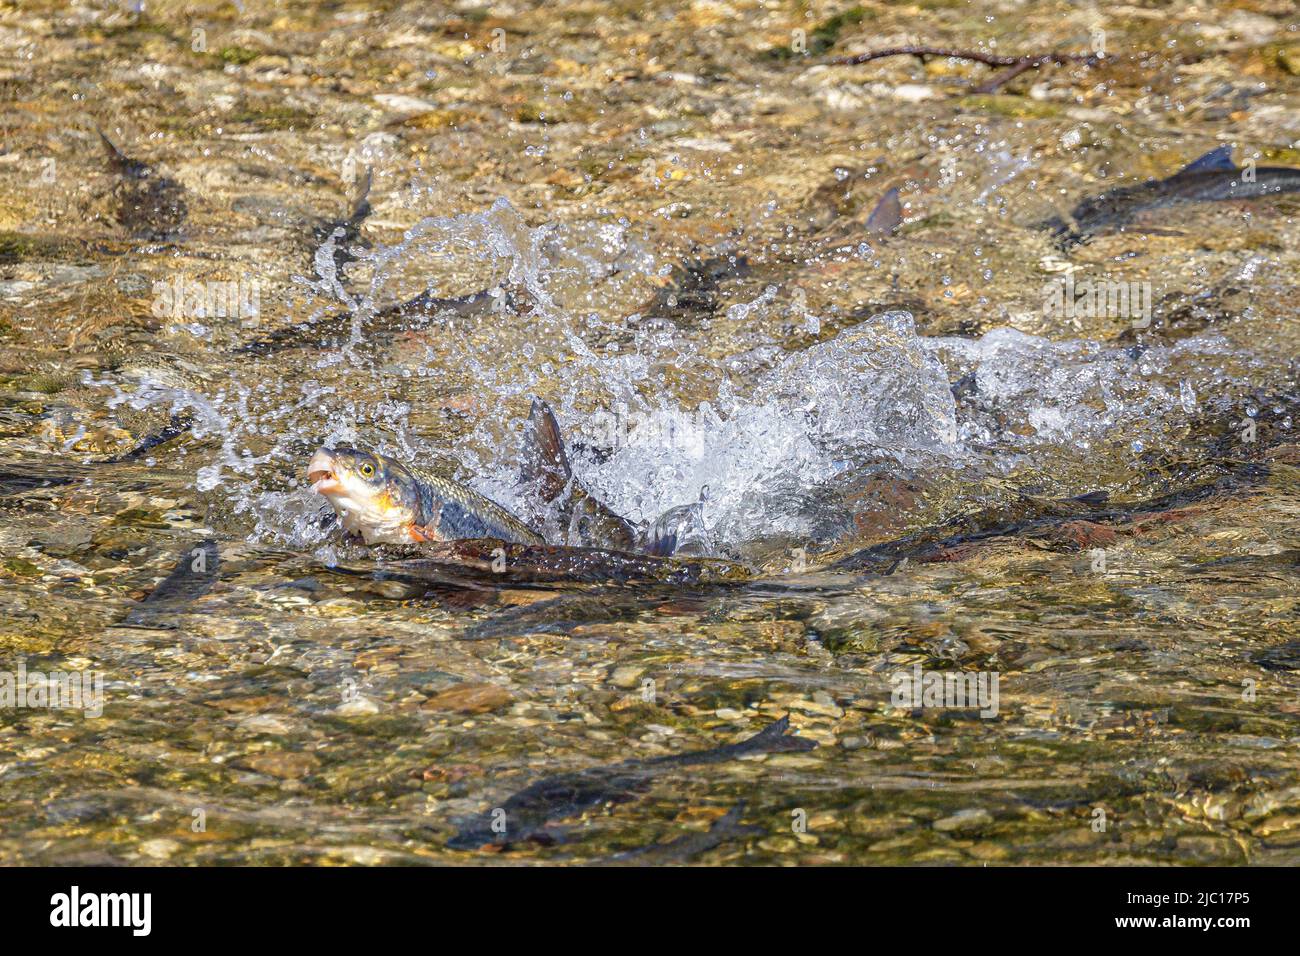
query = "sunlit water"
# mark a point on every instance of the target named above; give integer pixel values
(833, 393)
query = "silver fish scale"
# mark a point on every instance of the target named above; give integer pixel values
(495, 521)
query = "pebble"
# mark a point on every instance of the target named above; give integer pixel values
(627, 676)
(285, 765)
(470, 699)
(825, 707)
(360, 707)
(160, 849)
(265, 724)
(963, 820)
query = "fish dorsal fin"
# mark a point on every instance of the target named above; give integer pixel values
(1218, 158)
(115, 155)
(888, 214)
(119, 161)
(544, 460)
(361, 204)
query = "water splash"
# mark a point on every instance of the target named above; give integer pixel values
(769, 439)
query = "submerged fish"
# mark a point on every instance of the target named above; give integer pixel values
(148, 205)
(887, 216)
(528, 814)
(693, 292)
(486, 563)
(686, 848)
(691, 295)
(1211, 178)
(1040, 519)
(193, 576)
(409, 316)
(347, 231)
(179, 423)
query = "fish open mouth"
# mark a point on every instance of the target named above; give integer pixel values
(320, 472)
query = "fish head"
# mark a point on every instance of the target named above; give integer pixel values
(375, 496)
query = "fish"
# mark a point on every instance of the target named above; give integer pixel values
(690, 296)
(494, 564)
(693, 291)
(1041, 520)
(686, 848)
(1209, 178)
(148, 205)
(529, 814)
(195, 573)
(385, 501)
(179, 423)
(410, 315)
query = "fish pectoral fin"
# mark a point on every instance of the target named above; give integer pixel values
(421, 534)
(1218, 158)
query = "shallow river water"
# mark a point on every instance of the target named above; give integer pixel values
(913, 456)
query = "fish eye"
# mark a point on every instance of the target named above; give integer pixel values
(367, 470)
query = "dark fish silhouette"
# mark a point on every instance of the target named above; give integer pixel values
(334, 330)
(691, 294)
(493, 563)
(1211, 178)
(686, 848)
(148, 204)
(347, 231)
(1039, 519)
(528, 814)
(178, 424)
(30, 475)
(194, 575)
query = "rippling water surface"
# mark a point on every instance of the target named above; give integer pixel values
(908, 461)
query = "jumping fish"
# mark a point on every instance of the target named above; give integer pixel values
(385, 501)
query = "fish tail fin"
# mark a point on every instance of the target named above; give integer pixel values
(545, 462)
(661, 545)
(775, 738)
(678, 526)
(888, 214)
